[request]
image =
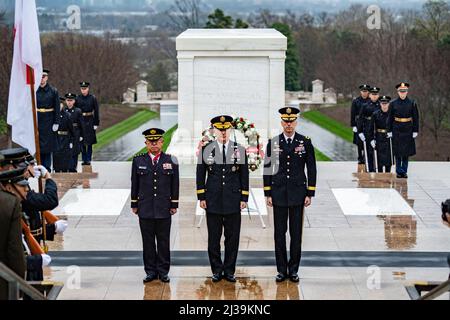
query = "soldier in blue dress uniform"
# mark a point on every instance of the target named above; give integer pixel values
(223, 189)
(289, 190)
(357, 105)
(403, 128)
(155, 185)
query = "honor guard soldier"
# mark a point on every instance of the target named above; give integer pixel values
(88, 105)
(223, 189)
(403, 128)
(289, 190)
(11, 252)
(378, 139)
(76, 120)
(62, 157)
(14, 182)
(357, 105)
(155, 185)
(47, 99)
(364, 133)
(33, 203)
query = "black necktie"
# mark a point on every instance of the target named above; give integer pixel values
(289, 141)
(224, 155)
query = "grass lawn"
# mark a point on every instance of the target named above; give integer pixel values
(3, 126)
(321, 157)
(118, 130)
(167, 139)
(330, 124)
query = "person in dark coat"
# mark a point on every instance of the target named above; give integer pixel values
(364, 130)
(289, 189)
(11, 251)
(223, 188)
(62, 157)
(403, 128)
(378, 139)
(47, 100)
(88, 105)
(357, 105)
(155, 187)
(76, 120)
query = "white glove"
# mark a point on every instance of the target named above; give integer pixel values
(389, 135)
(355, 129)
(71, 146)
(362, 137)
(46, 259)
(373, 144)
(40, 171)
(81, 139)
(55, 127)
(415, 134)
(95, 128)
(61, 226)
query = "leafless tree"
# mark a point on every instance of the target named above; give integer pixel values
(185, 14)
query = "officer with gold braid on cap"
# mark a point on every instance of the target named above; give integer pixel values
(155, 185)
(223, 190)
(289, 190)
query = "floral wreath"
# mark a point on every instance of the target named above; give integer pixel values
(253, 149)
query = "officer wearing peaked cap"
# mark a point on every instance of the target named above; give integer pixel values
(403, 128)
(76, 119)
(357, 104)
(155, 184)
(289, 190)
(223, 190)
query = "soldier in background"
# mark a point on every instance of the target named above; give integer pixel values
(378, 138)
(62, 158)
(289, 190)
(88, 105)
(76, 120)
(357, 105)
(155, 185)
(365, 117)
(403, 128)
(48, 111)
(223, 188)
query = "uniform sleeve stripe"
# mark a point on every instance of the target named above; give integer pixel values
(267, 188)
(200, 191)
(311, 188)
(134, 201)
(245, 193)
(175, 200)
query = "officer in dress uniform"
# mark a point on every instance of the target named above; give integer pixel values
(403, 128)
(47, 99)
(288, 190)
(378, 139)
(357, 105)
(365, 116)
(11, 253)
(155, 185)
(76, 120)
(223, 189)
(90, 120)
(62, 158)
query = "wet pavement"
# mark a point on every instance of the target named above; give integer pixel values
(124, 148)
(339, 246)
(334, 147)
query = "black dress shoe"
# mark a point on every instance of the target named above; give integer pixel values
(150, 278)
(280, 277)
(399, 176)
(405, 176)
(294, 277)
(164, 278)
(216, 277)
(230, 278)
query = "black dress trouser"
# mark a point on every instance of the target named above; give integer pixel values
(282, 216)
(230, 224)
(156, 243)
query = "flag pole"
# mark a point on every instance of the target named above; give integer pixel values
(30, 76)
